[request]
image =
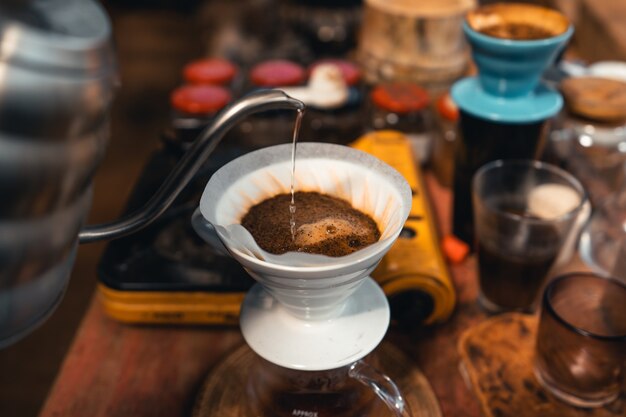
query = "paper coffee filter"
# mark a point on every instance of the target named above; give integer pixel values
(366, 182)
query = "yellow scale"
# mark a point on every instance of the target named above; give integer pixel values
(413, 272)
(415, 263)
(171, 307)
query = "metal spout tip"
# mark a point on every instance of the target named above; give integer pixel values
(279, 96)
(297, 104)
(260, 100)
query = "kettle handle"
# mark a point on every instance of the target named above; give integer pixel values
(382, 386)
(192, 160)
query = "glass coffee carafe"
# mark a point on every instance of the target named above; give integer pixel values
(311, 320)
(355, 390)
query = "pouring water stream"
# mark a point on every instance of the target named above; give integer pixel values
(292, 205)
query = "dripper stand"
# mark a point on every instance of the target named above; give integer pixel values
(311, 312)
(308, 312)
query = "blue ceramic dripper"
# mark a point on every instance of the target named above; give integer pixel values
(507, 88)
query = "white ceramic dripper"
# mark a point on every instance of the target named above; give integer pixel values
(311, 311)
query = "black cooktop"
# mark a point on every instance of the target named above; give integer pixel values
(168, 255)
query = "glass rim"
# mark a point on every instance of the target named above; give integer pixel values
(573, 181)
(547, 305)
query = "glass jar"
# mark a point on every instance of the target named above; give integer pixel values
(403, 106)
(275, 126)
(421, 41)
(193, 108)
(276, 73)
(210, 71)
(597, 155)
(337, 125)
(595, 124)
(602, 244)
(326, 27)
(446, 137)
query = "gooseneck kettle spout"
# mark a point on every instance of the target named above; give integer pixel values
(191, 161)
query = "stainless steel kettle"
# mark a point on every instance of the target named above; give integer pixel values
(57, 78)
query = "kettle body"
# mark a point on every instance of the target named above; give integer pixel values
(57, 77)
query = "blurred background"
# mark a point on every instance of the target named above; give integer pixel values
(154, 40)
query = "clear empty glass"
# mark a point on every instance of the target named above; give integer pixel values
(603, 241)
(580, 352)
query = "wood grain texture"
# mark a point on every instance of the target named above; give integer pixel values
(116, 370)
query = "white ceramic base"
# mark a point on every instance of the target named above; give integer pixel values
(287, 341)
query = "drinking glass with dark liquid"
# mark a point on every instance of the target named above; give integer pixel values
(523, 212)
(580, 354)
(510, 279)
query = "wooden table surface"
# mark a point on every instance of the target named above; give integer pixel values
(117, 370)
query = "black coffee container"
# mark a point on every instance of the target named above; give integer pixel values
(483, 141)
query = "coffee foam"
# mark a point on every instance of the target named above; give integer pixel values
(552, 201)
(367, 183)
(328, 228)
